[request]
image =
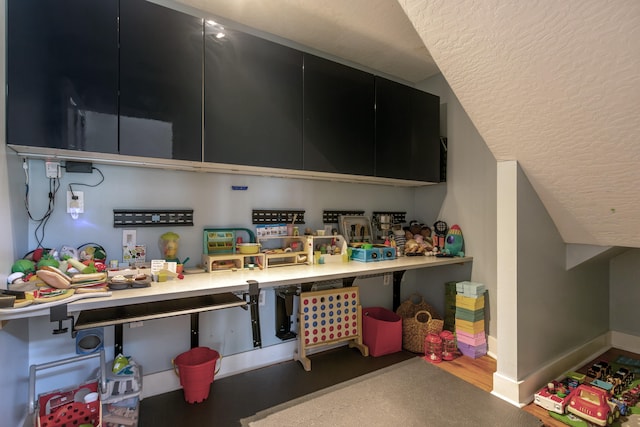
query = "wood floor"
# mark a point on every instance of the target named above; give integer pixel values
(479, 372)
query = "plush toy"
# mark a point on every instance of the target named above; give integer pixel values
(425, 232)
(454, 242)
(169, 246)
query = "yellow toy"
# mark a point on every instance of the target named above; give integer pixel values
(169, 246)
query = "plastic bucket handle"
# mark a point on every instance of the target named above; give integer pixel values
(219, 365)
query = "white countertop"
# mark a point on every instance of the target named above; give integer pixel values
(233, 281)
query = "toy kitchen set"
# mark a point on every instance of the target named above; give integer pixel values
(279, 242)
(368, 241)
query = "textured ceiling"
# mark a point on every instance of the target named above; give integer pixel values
(552, 84)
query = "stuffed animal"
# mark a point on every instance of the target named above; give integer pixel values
(454, 242)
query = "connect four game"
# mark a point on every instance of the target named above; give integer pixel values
(328, 317)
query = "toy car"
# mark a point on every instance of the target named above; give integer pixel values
(555, 395)
(621, 379)
(599, 370)
(593, 405)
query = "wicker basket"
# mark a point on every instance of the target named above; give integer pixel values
(414, 304)
(418, 319)
(415, 329)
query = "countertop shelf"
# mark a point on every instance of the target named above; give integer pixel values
(155, 310)
(203, 284)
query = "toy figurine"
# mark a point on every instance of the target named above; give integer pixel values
(169, 246)
(454, 242)
(425, 232)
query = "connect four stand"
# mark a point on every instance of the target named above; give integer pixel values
(328, 317)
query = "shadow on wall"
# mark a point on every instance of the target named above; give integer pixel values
(428, 201)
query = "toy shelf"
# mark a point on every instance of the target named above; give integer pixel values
(281, 259)
(213, 263)
(315, 243)
(284, 250)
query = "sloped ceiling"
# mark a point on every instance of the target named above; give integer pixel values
(552, 84)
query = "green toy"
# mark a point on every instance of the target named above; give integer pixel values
(454, 242)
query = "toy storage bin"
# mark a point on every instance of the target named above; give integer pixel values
(68, 406)
(382, 331)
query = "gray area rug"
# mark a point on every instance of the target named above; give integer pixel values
(410, 393)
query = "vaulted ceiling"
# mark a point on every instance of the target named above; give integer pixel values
(553, 85)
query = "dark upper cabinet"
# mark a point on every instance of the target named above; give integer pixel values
(132, 77)
(407, 132)
(253, 101)
(338, 130)
(62, 74)
(425, 136)
(160, 82)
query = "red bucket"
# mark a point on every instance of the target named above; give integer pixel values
(196, 369)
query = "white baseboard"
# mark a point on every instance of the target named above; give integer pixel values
(625, 342)
(166, 381)
(520, 392)
(492, 347)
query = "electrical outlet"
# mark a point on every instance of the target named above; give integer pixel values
(75, 206)
(386, 279)
(52, 169)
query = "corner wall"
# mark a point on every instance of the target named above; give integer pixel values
(552, 315)
(468, 198)
(625, 293)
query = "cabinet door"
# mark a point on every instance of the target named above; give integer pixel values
(62, 74)
(160, 82)
(407, 132)
(425, 137)
(393, 129)
(253, 101)
(338, 129)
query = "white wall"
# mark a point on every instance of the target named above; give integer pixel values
(558, 310)
(214, 203)
(625, 292)
(469, 196)
(553, 318)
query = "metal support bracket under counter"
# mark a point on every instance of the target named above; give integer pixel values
(117, 316)
(155, 310)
